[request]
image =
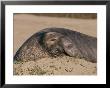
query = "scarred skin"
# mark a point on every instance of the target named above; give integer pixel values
(55, 42)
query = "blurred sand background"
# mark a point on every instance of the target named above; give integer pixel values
(26, 25)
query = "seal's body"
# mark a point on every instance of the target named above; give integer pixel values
(53, 42)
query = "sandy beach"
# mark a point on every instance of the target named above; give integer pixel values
(25, 25)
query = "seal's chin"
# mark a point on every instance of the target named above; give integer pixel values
(55, 51)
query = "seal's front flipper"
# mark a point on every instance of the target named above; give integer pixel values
(69, 47)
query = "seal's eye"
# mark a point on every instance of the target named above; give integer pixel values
(69, 46)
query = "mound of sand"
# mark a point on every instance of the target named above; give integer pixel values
(56, 66)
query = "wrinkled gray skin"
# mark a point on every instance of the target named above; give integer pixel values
(53, 42)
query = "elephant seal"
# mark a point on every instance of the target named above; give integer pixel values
(54, 42)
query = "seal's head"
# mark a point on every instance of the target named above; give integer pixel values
(52, 43)
(57, 44)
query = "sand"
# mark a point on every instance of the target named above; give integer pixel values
(26, 25)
